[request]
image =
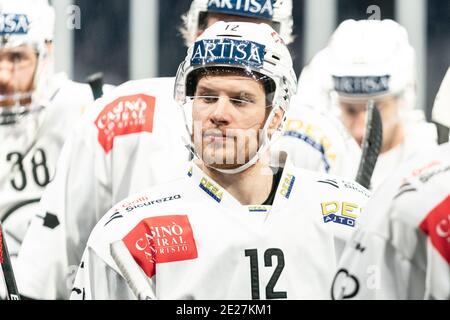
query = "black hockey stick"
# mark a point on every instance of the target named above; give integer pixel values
(132, 273)
(371, 146)
(8, 274)
(96, 83)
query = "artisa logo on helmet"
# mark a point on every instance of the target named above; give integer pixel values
(362, 85)
(11, 23)
(252, 8)
(228, 51)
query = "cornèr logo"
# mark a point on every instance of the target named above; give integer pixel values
(161, 240)
(437, 226)
(126, 115)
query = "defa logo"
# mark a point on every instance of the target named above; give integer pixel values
(211, 189)
(14, 24)
(341, 213)
(161, 240)
(252, 8)
(228, 51)
(288, 184)
(437, 226)
(126, 115)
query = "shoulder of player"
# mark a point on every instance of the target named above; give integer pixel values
(147, 203)
(124, 217)
(326, 185)
(423, 186)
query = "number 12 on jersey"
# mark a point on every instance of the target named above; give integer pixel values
(254, 273)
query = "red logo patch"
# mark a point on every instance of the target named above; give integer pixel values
(160, 240)
(126, 115)
(437, 226)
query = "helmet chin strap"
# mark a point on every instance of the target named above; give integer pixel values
(261, 150)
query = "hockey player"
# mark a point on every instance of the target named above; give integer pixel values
(129, 140)
(402, 249)
(37, 109)
(371, 59)
(121, 157)
(205, 235)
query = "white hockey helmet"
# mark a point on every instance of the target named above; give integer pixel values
(277, 11)
(441, 107)
(31, 23)
(257, 49)
(372, 58)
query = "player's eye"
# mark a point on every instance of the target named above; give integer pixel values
(208, 99)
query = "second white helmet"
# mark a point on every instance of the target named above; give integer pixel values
(279, 12)
(371, 58)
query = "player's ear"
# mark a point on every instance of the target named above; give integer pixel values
(276, 121)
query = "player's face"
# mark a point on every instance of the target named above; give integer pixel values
(17, 69)
(353, 115)
(228, 112)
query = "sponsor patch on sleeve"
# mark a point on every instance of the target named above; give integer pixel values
(161, 240)
(437, 226)
(126, 115)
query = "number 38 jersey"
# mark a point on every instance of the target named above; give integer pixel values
(29, 150)
(193, 240)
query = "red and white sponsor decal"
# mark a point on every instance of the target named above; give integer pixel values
(161, 240)
(126, 115)
(437, 226)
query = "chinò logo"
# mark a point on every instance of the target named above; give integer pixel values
(229, 52)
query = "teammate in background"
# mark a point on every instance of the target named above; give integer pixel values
(37, 110)
(231, 217)
(402, 248)
(130, 140)
(370, 59)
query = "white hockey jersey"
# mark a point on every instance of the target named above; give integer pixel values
(194, 240)
(108, 158)
(127, 141)
(29, 150)
(402, 247)
(419, 134)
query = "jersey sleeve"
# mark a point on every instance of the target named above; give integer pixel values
(68, 212)
(96, 280)
(400, 251)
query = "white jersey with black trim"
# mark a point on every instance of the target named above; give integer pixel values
(317, 141)
(29, 150)
(193, 240)
(402, 248)
(129, 140)
(419, 134)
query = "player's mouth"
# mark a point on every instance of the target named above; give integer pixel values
(217, 137)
